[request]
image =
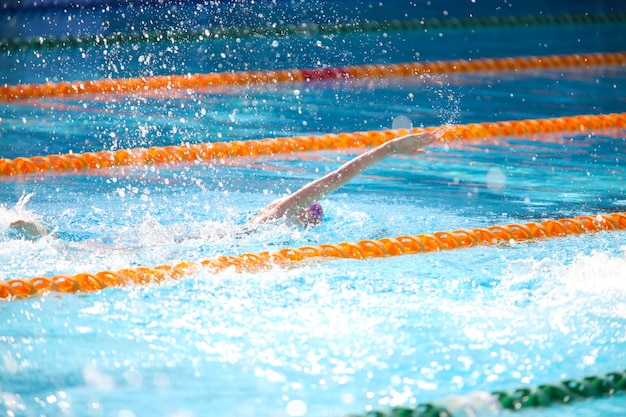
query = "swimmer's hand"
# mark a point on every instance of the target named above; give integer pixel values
(28, 229)
(413, 143)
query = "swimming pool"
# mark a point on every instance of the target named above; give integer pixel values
(327, 336)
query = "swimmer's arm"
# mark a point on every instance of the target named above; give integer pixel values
(291, 205)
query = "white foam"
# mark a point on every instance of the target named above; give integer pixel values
(595, 273)
(478, 403)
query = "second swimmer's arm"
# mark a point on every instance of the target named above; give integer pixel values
(291, 205)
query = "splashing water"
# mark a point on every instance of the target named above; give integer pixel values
(19, 211)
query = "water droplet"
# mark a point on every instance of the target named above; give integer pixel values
(296, 408)
(401, 122)
(495, 178)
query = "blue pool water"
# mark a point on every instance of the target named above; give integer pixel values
(329, 337)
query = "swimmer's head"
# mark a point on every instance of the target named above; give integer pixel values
(26, 229)
(312, 215)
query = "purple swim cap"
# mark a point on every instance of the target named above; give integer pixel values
(311, 215)
(316, 209)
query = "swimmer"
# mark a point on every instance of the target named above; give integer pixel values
(301, 207)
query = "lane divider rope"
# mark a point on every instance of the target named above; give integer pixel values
(363, 249)
(579, 124)
(191, 81)
(207, 34)
(546, 395)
